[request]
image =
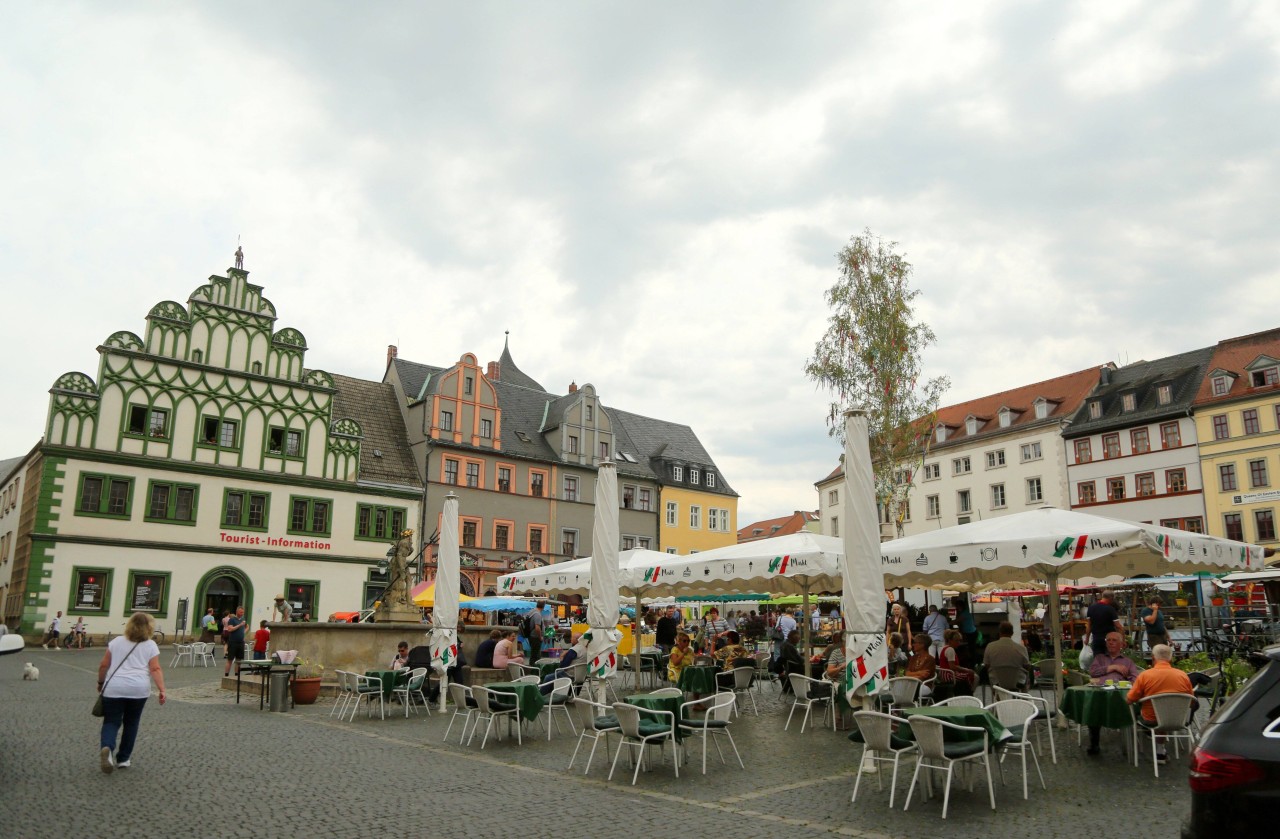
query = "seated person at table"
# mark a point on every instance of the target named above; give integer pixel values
(681, 656)
(950, 660)
(733, 654)
(789, 660)
(508, 651)
(1006, 661)
(484, 653)
(1113, 664)
(1163, 677)
(1032, 641)
(577, 652)
(921, 665)
(897, 655)
(402, 656)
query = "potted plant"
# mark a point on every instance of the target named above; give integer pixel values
(306, 682)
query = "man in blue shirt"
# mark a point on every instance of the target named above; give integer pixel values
(235, 639)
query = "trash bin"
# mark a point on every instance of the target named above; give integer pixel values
(278, 698)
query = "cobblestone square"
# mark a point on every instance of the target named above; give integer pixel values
(205, 766)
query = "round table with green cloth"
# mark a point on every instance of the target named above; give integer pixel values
(391, 679)
(659, 703)
(958, 715)
(698, 678)
(1089, 705)
(529, 699)
(546, 668)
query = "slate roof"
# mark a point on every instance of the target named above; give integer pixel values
(373, 405)
(554, 414)
(7, 466)
(413, 376)
(1183, 372)
(512, 374)
(1233, 355)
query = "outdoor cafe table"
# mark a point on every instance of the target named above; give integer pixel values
(699, 679)
(528, 698)
(958, 715)
(263, 668)
(659, 703)
(1097, 706)
(391, 679)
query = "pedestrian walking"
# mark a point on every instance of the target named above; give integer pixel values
(131, 663)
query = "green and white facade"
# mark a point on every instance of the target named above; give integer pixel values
(205, 462)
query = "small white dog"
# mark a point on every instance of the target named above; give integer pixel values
(30, 673)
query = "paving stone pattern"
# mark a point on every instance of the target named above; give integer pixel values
(205, 766)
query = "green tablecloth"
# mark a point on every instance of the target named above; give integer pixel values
(547, 668)
(391, 679)
(959, 716)
(659, 703)
(1090, 705)
(698, 678)
(528, 697)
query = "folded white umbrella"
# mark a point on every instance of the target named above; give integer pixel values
(444, 614)
(862, 602)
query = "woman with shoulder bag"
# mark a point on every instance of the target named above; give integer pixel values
(131, 663)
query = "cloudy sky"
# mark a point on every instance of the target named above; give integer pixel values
(649, 196)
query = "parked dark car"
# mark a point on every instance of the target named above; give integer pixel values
(1235, 767)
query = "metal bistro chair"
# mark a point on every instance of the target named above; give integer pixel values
(1046, 671)
(810, 692)
(558, 700)
(1017, 716)
(180, 651)
(936, 755)
(204, 653)
(595, 721)
(763, 674)
(1171, 710)
(368, 688)
(515, 671)
(346, 693)
(959, 702)
(712, 724)
(413, 689)
(489, 707)
(880, 745)
(1044, 714)
(744, 679)
(464, 705)
(903, 692)
(639, 732)
(668, 692)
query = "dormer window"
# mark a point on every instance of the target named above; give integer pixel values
(677, 474)
(1042, 408)
(1095, 409)
(694, 476)
(1265, 377)
(940, 433)
(1128, 402)
(711, 479)
(1221, 384)
(971, 426)
(1164, 394)
(1006, 418)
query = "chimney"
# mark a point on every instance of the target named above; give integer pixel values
(1104, 375)
(494, 372)
(573, 387)
(392, 353)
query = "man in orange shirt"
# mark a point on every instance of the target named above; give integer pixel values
(1163, 677)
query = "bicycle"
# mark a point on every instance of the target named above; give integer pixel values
(158, 637)
(69, 642)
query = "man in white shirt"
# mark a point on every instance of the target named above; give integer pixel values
(815, 619)
(53, 631)
(935, 624)
(785, 626)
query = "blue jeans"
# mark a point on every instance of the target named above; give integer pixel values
(116, 710)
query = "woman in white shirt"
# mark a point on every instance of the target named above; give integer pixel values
(131, 663)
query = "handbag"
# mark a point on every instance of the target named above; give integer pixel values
(97, 703)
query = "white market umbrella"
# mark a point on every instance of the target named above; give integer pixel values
(602, 607)
(1049, 543)
(444, 616)
(862, 601)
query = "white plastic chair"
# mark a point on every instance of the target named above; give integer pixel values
(901, 692)
(638, 732)
(595, 721)
(204, 652)
(1044, 714)
(558, 700)
(712, 724)
(411, 689)
(346, 693)
(810, 692)
(368, 688)
(464, 705)
(490, 705)
(959, 702)
(936, 755)
(516, 671)
(878, 740)
(744, 679)
(1171, 710)
(1017, 715)
(180, 651)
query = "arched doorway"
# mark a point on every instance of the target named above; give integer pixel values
(224, 589)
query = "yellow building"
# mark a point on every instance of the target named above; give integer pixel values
(1237, 416)
(697, 521)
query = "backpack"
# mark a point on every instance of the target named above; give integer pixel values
(526, 626)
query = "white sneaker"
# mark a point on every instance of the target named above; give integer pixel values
(106, 761)
(124, 764)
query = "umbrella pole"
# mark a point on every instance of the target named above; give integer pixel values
(807, 626)
(636, 631)
(1055, 626)
(1204, 644)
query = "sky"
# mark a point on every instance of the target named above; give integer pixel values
(649, 196)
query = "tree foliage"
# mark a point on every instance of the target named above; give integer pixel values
(870, 357)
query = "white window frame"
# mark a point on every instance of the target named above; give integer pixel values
(695, 516)
(694, 475)
(1031, 447)
(673, 513)
(933, 507)
(710, 479)
(677, 473)
(964, 501)
(995, 459)
(998, 499)
(1039, 494)
(959, 462)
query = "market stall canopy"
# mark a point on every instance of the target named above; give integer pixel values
(782, 564)
(424, 594)
(574, 576)
(1022, 548)
(499, 604)
(1253, 577)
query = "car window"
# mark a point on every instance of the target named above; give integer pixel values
(1258, 691)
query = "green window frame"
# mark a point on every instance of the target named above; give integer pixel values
(100, 580)
(245, 509)
(292, 595)
(310, 516)
(146, 421)
(218, 433)
(105, 496)
(289, 443)
(169, 502)
(375, 522)
(149, 592)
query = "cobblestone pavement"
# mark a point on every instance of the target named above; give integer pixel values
(204, 765)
